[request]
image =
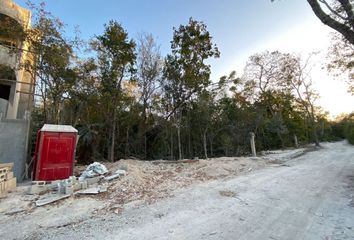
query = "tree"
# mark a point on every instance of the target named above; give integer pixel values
(186, 72)
(49, 60)
(149, 73)
(299, 79)
(116, 59)
(341, 60)
(272, 76)
(339, 15)
(266, 74)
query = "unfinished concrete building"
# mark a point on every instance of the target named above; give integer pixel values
(16, 85)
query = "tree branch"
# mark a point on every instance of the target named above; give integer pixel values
(332, 10)
(348, 8)
(346, 31)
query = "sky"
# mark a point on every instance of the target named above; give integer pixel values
(239, 28)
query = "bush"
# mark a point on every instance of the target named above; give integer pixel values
(350, 132)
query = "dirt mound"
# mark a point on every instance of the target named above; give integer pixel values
(149, 181)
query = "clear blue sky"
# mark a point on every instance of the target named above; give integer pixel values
(236, 25)
(239, 28)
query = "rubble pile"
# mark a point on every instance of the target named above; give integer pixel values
(126, 181)
(149, 181)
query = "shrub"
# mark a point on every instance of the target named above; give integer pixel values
(350, 132)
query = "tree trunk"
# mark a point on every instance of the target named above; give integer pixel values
(314, 125)
(322, 128)
(144, 127)
(126, 152)
(315, 135)
(205, 144)
(145, 146)
(296, 142)
(274, 116)
(113, 135)
(281, 139)
(191, 155)
(171, 142)
(190, 145)
(179, 142)
(211, 147)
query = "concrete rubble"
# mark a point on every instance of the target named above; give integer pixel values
(91, 182)
(118, 174)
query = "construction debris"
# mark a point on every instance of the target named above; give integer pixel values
(147, 180)
(87, 184)
(118, 173)
(93, 170)
(7, 179)
(38, 187)
(66, 186)
(93, 190)
(51, 198)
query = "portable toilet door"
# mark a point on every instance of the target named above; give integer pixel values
(54, 153)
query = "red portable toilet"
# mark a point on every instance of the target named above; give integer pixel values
(55, 153)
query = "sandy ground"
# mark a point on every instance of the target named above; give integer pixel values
(309, 197)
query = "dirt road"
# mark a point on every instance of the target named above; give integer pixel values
(310, 197)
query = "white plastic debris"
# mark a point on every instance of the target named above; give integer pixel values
(93, 170)
(119, 173)
(93, 190)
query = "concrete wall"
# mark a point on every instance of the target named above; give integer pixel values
(18, 102)
(7, 58)
(11, 9)
(13, 127)
(3, 108)
(13, 140)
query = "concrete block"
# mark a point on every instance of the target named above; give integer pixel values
(13, 145)
(38, 187)
(9, 166)
(69, 190)
(110, 178)
(50, 199)
(2, 186)
(91, 181)
(89, 191)
(10, 184)
(9, 175)
(84, 185)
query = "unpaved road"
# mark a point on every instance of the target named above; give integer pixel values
(311, 197)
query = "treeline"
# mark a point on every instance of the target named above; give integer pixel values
(127, 100)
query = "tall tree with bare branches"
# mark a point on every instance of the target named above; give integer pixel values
(149, 73)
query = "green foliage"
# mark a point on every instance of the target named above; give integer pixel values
(341, 60)
(186, 73)
(185, 69)
(116, 57)
(350, 132)
(342, 128)
(345, 127)
(48, 60)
